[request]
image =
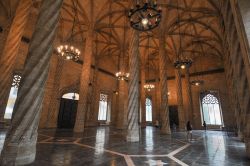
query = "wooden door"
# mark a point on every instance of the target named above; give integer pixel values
(67, 113)
(173, 116)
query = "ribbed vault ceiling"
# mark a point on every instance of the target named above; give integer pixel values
(192, 28)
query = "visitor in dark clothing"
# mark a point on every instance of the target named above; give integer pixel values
(189, 130)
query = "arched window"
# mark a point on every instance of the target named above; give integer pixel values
(148, 110)
(211, 110)
(12, 96)
(72, 96)
(103, 107)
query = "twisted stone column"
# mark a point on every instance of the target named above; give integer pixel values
(10, 50)
(133, 94)
(94, 92)
(164, 110)
(121, 116)
(20, 144)
(122, 96)
(143, 98)
(189, 96)
(84, 84)
(181, 112)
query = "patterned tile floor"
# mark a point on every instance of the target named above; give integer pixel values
(104, 146)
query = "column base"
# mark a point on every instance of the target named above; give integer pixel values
(79, 129)
(18, 153)
(241, 136)
(182, 126)
(91, 124)
(247, 143)
(120, 128)
(133, 136)
(165, 131)
(143, 124)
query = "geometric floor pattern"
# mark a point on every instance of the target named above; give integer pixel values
(105, 146)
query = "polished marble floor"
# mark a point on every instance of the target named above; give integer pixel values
(105, 146)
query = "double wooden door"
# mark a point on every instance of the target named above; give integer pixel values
(67, 113)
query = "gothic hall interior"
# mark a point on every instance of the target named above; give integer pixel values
(124, 82)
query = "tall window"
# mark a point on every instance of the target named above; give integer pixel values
(12, 97)
(103, 107)
(148, 110)
(211, 110)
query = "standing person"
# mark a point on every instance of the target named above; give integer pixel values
(157, 125)
(204, 125)
(189, 130)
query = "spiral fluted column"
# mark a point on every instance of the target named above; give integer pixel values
(181, 112)
(121, 117)
(94, 92)
(143, 98)
(82, 107)
(10, 50)
(20, 143)
(189, 96)
(164, 110)
(133, 89)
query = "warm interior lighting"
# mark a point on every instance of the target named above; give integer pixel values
(197, 82)
(68, 52)
(183, 66)
(144, 21)
(183, 63)
(149, 87)
(122, 75)
(146, 15)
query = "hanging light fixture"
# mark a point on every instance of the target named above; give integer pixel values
(181, 61)
(197, 82)
(146, 15)
(122, 75)
(148, 86)
(68, 51)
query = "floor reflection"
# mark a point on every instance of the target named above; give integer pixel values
(149, 139)
(2, 138)
(107, 146)
(100, 141)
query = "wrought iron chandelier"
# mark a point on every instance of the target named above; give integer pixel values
(146, 15)
(197, 82)
(122, 75)
(182, 63)
(68, 51)
(149, 86)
